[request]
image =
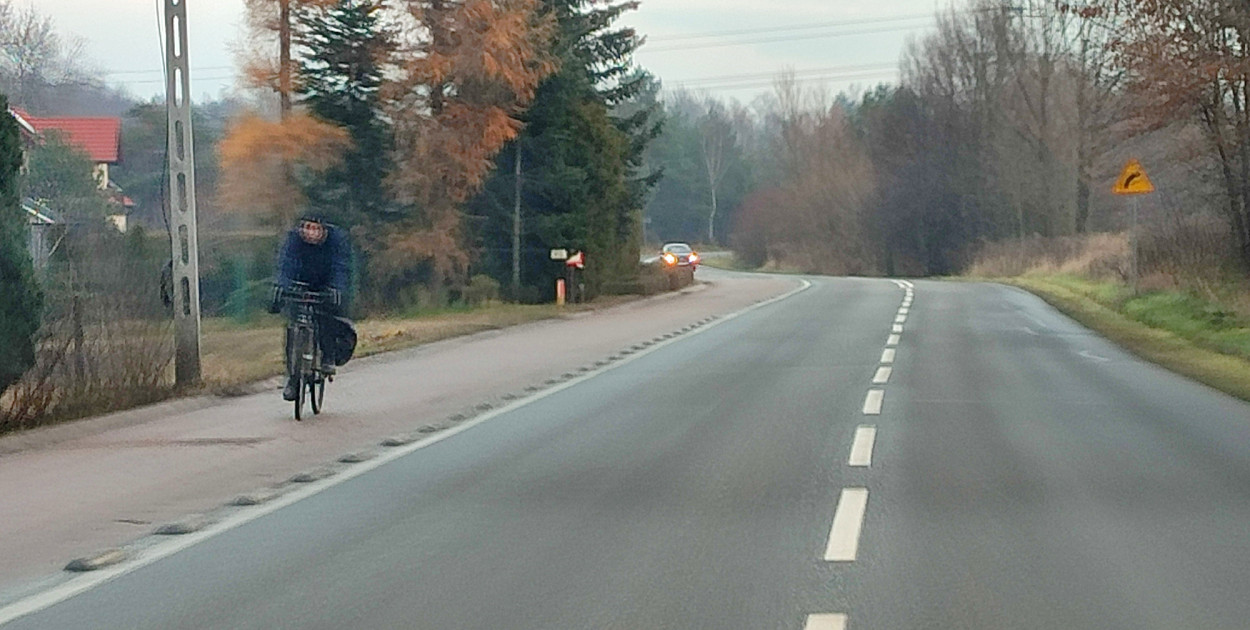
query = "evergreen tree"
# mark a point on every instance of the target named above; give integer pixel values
(342, 46)
(581, 154)
(21, 302)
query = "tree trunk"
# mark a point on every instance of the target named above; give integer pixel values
(711, 220)
(284, 56)
(516, 226)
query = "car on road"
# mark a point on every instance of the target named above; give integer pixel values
(679, 255)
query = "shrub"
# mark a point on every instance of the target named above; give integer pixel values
(20, 298)
(482, 289)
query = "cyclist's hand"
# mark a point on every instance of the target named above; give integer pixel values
(275, 300)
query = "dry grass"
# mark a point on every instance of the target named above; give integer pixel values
(235, 355)
(1096, 256)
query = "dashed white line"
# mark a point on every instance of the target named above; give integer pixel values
(904, 311)
(825, 622)
(873, 402)
(887, 355)
(898, 328)
(861, 448)
(893, 340)
(882, 376)
(900, 319)
(848, 521)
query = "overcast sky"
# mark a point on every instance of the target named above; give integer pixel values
(843, 43)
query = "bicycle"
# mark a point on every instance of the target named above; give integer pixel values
(304, 359)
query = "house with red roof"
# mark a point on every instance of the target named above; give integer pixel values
(99, 137)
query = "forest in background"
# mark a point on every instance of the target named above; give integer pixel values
(1002, 140)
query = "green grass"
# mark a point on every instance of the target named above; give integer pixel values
(1188, 334)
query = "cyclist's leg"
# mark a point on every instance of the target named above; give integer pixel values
(290, 391)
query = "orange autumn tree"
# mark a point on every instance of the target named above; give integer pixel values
(263, 160)
(470, 68)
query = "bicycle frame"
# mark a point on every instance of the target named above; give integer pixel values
(303, 357)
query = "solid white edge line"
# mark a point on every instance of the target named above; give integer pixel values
(873, 402)
(893, 340)
(825, 622)
(861, 446)
(887, 355)
(88, 581)
(882, 376)
(848, 522)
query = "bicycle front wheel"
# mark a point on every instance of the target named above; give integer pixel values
(317, 393)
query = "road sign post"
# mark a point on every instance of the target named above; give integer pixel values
(1133, 182)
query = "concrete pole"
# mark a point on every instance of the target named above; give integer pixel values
(186, 264)
(516, 227)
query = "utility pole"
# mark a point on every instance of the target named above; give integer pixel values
(185, 242)
(516, 226)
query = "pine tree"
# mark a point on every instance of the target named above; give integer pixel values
(581, 163)
(342, 47)
(21, 302)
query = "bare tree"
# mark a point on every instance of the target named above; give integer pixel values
(35, 58)
(717, 141)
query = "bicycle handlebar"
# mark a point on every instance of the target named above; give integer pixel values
(306, 296)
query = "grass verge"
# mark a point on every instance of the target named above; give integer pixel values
(236, 355)
(1186, 334)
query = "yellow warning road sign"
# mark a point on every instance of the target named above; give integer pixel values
(1133, 181)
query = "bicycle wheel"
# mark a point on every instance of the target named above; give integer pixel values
(317, 393)
(301, 366)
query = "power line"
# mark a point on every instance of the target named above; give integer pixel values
(805, 72)
(145, 81)
(787, 38)
(754, 84)
(806, 26)
(162, 70)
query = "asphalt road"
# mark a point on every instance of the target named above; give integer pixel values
(1024, 474)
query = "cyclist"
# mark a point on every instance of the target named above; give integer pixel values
(317, 254)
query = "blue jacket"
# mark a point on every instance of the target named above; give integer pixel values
(324, 266)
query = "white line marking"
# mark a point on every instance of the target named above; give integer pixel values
(887, 355)
(900, 319)
(1089, 355)
(873, 402)
(825, 622)
(848, 521)
(892, 340)
(861, 447)
(882, 376)
(898, 328)
(904, 311)
(88, 581)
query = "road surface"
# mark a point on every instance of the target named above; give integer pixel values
(861, 454)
